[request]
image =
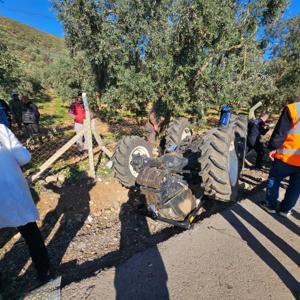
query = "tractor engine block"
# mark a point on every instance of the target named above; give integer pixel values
(166, 192)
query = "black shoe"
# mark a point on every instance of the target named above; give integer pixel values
(45, 277)
(267, 208)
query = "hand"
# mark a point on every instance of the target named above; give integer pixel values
(156, 127)
(272, 155)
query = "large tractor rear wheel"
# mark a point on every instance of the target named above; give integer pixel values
(240, 127)
(126, 148)
(220, 162)
(177, 131)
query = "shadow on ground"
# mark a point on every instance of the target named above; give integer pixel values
(135, 237)
(65, 221)
(255, 195)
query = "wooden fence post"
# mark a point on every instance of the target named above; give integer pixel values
(100, 143)
(252, 110)
(88, 135)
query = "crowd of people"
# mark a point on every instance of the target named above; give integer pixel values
(17, 206)
(284, 153)
(22, 112)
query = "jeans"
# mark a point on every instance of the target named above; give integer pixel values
(278, 172)
(38, 252)
(81, 143)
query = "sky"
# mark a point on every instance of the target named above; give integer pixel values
(38, 13)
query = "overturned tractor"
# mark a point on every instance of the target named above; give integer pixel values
(175, 184)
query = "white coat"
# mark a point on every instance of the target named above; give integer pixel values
(16, 205)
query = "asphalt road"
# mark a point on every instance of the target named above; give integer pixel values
(240, 253)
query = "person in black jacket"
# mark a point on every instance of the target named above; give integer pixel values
(30, 116)
(281, 129)
(256, 129)
(15, 106)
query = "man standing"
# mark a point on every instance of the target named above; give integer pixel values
(77, 113)
(256, 129)
(157, 116)
(285, 154)
(30, 116)
(15, 106)
(17, 207)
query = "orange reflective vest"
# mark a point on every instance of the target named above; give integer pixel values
(289, 151)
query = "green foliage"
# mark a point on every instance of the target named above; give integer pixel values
(62, 76)
(285, 65)
(9, 69)
(36, 61)
(197, 54)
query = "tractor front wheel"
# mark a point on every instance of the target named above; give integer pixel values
(126, 148)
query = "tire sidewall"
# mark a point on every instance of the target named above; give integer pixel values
(123, 155)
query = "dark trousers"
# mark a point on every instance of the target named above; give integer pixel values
(32, 129)
(259, 149)
(278, 172)
(151, 133)
(38, 252)
(19, 123)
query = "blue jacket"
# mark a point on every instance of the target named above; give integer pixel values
(4, 114)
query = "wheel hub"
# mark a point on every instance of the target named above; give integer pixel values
(142, 151)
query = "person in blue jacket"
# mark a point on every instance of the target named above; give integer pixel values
(5, 118)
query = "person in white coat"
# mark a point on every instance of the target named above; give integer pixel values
(17, 208)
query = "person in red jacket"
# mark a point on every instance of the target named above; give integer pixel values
(77, 113)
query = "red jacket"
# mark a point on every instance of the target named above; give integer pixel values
(77, 110)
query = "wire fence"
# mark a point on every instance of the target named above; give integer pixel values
(71, 164)
(57, 157)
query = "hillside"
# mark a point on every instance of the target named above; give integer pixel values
(30, 45)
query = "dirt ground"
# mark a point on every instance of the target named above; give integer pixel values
(88, 227)
(240, 253)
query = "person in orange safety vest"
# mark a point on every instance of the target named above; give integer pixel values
(284, 147)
